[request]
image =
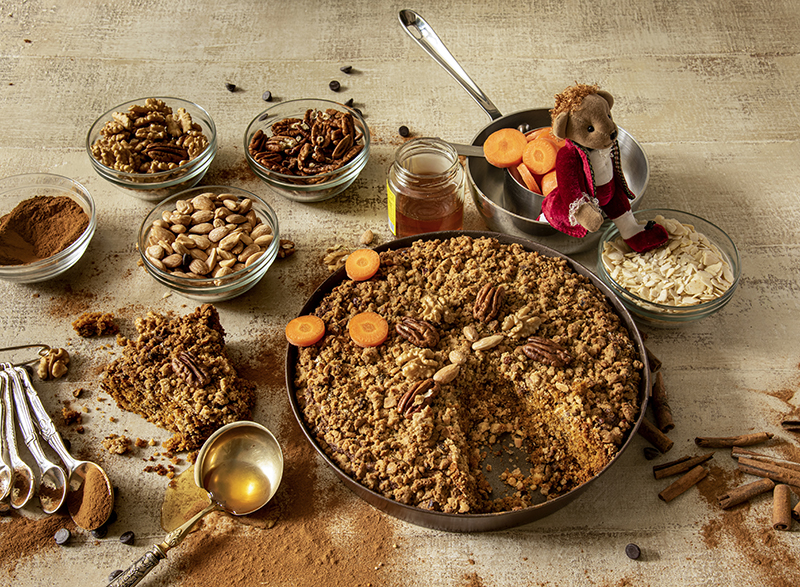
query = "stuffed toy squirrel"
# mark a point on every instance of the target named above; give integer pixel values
(589, 172)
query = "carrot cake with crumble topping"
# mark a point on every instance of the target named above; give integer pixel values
(490, 346)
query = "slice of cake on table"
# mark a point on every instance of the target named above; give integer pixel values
(177, 375)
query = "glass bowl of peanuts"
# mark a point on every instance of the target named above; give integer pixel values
(209, 243)
(308, 150)
(151, 148)
(691, 277)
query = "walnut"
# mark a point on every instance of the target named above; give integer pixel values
(54, 364)
(488, 302)
(418, 332)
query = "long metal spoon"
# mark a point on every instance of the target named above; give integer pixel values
(5, 469)
(79, 471)
(22, 478)
(240, 466)
(52, 481)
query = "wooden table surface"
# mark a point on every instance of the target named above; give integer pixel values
(710, 91)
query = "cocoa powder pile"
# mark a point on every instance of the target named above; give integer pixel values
(91, 505)
(39, 228)
(22, 537)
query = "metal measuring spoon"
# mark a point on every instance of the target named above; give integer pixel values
(240, 466)
(5, 469)
(52, 481)
(22, 476)
(79, 471)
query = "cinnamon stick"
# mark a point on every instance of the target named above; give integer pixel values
(683, 483)
(654, 436)
(775, 472)
(661, 409)
(737, 452)
(745, 492)
(731, 441)
(652, 361)
(791, 423)
(679, 466)
(782, 508)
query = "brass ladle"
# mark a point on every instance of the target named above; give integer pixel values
(240, 466)
(78, 471)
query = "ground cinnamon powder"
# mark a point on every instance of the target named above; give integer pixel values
(21, 537)
(39, 228)
(91, 505)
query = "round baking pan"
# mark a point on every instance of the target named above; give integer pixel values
(466, 522)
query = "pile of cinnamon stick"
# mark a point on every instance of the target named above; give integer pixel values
(778, 475)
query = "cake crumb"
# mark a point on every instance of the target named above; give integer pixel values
(95, 324)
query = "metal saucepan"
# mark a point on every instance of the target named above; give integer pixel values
(240, 466)
(465, 522)
(492, 188)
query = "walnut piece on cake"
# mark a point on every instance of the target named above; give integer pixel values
(177, 375)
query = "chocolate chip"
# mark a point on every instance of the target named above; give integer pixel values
(263, 117)
(127, 538)
(114, 574)
(267, 96)
(67, 444)
(230, 87)
(112, 518)
(346, 68)
(403, 130)
(349, 103)
(335, 86)
(100, 532)
(650, 453)
(62, 536)
(633, 551)
(358, 111)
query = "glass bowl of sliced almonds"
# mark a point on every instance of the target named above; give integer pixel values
(691, 277)
(209, 243)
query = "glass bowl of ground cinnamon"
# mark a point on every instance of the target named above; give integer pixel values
(46, 224)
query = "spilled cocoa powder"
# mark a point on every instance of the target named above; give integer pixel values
(748, 529)
(22, 537)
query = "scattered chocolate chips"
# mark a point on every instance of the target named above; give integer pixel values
(113, 517)
(267, 96)
(114, 574)
(633, 551)
(335, 85)
(62, 536)
(349, 103)
(230, 87)
(403, 130)
(127, 537)
(263, 117)
(100, 532)
(346, 69)
(650, 453)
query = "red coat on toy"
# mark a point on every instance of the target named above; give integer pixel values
(589, 172)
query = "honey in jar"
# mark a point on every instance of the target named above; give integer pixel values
(425, 188)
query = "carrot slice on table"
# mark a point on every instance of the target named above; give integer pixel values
(305, 330)
(368, 329)
(540, 156)
(362, 264)
(504, 147)
(527, 179)
(549, 182)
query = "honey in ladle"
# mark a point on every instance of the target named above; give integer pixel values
(425, 188)
(239, 487)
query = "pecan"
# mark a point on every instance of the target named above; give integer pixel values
(546, 351)
(166, 153)
(488, 302)
(186, 365)
(427, 389)
(418, 332)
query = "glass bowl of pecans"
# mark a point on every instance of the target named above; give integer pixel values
(46, 224)
(209, 243)
(151, 148)
(691, 277)
(307, 150)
